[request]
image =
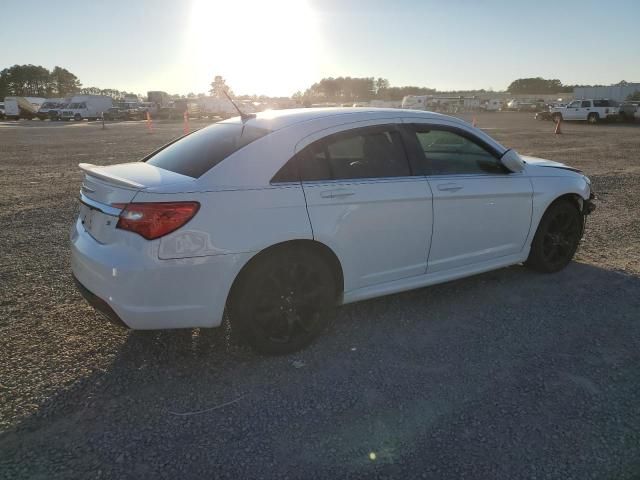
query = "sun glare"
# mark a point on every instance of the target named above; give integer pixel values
(263, 47)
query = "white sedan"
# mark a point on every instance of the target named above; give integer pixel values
(277, 218)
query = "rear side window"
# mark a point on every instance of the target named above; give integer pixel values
(359, 153)
(197, 153)
(605, 103)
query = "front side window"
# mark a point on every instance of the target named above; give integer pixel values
(200, 151)
(586, 104)
(575, 104)
(450, 153)
(375, 152)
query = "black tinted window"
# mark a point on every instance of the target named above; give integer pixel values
(450, 153)
(359, 153)
(586, 104)
(197, 153)
(605, 103)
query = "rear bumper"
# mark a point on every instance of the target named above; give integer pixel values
(100, 305)
(132, 286)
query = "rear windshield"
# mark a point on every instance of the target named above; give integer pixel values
(197, 153)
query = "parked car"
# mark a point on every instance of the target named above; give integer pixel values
(52, 109)
(629, 111)
(275, 218)
(1, 110)
(115, 113)
(543, 115)
(591, 111)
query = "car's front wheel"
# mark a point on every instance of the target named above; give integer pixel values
(283, 300)
(557, 238)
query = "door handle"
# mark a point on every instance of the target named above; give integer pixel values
(449, 187)
(337, 193)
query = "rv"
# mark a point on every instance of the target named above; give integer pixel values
(87, 106)
(493, 105)
(415, 102)
(16, 108)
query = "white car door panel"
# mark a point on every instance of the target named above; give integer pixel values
(379, 229)
(480, 211)
(478, 218)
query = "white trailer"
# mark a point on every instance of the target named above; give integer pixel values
(90, 107)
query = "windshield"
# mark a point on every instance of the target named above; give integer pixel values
(197, 153)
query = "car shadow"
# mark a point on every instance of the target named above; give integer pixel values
(415, 378)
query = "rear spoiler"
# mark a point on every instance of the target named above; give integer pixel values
(94, 171)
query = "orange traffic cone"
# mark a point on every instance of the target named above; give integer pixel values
(186, 122)
(473, 122)
(558, 129)
(149, 123)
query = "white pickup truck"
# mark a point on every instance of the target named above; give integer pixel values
(591, 111)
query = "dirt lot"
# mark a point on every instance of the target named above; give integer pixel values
(508, 375)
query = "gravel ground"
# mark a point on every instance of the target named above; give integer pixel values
(504, 375)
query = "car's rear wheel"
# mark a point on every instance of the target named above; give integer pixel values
(283, 301)
(557, 238)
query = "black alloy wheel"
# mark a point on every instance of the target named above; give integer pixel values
(557, 238)
(284, 301)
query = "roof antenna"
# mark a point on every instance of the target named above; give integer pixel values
(243, 116)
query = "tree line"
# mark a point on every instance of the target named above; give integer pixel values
(38, 81)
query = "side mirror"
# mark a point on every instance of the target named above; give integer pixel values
(512, 161)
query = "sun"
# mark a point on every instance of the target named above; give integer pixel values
(262, 47)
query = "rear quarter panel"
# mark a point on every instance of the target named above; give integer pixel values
(235, 221)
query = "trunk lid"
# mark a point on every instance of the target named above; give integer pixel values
(106, 186)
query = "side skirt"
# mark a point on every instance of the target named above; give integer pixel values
(427, 279)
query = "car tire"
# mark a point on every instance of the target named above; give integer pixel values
(556, 117)
(77, 117)
(557, 238)
(283, 300)
(593, 118)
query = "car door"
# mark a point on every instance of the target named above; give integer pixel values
(365, 204)
(584, 110)
(573, 111)
(481, 211)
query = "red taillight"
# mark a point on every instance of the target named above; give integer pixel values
(155, 219)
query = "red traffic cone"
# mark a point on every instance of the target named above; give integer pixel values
(558, 129)
(186, 122)
(149, 123)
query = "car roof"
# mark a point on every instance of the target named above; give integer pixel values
(277, 119)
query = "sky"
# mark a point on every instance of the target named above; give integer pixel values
(277, 47)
